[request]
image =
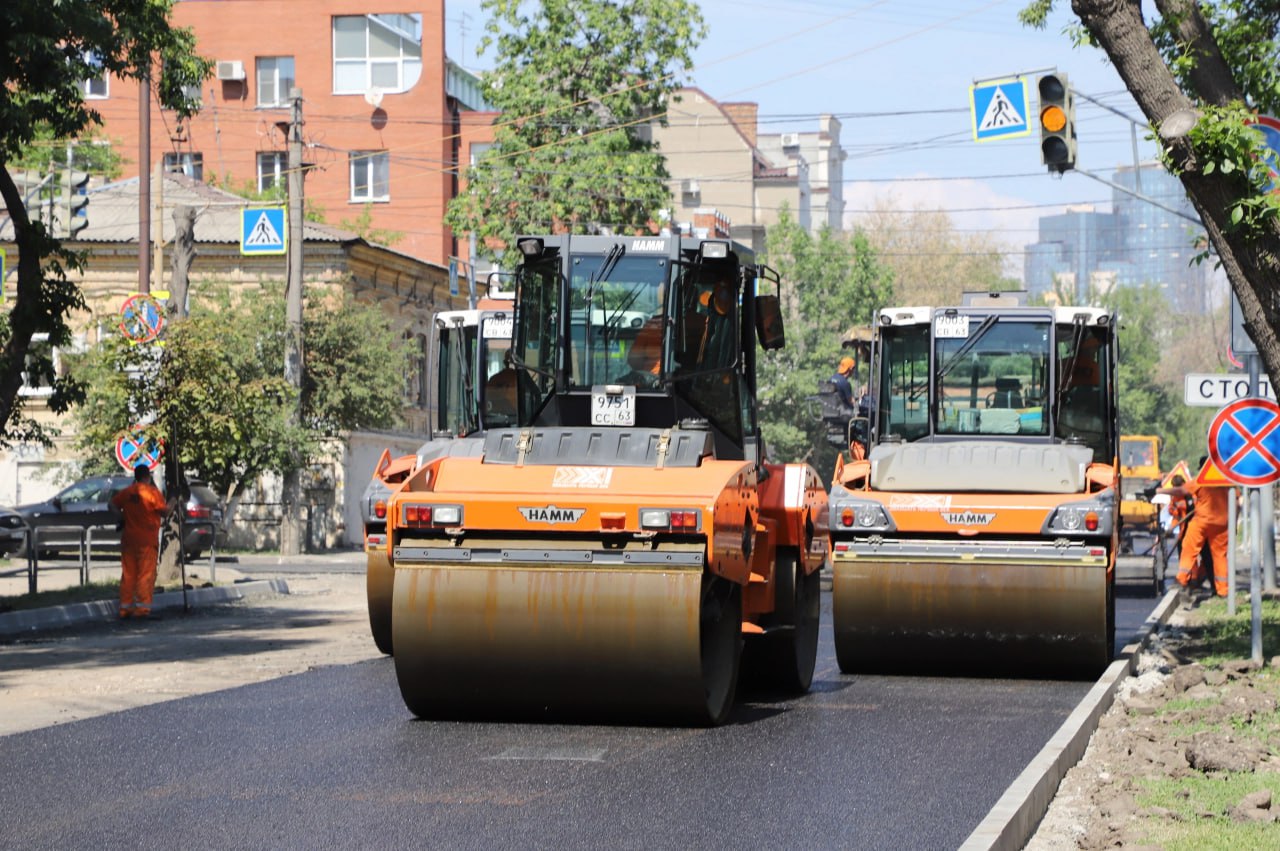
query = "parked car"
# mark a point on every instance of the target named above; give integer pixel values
(59, 521)
(13, 531)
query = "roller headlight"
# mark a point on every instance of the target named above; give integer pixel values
(1093, 517)
(859, 515)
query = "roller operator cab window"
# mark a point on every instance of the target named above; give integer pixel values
(1084, 379)
(616, 308)
(991, 377)
(987, 375)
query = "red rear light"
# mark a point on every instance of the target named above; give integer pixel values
(380, 509)
(1091, 521)
(199, 512)
(417, 515)
(846, 517)
(684, 519)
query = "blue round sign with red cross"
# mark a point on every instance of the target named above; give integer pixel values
(134, 447)
(1244, 441)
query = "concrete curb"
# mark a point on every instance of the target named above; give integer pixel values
(54, 617)
(1012, 821)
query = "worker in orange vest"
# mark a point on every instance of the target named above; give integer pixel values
(1208, 523)
(142, 508)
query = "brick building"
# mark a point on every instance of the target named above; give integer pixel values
(382, 107)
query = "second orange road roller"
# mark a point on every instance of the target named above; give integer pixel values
(624, 546)
(977, 528)
(466, 347)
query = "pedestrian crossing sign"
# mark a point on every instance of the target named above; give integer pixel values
(262, 230)
(999, 109)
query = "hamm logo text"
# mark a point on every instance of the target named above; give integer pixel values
(967, 518)
(551, 514)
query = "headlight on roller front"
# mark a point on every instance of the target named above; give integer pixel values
(1093, 517)
(859, 515)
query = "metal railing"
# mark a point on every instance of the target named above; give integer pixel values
(84, 547)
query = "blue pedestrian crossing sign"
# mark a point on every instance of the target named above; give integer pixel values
(262, 230)
(999, 109)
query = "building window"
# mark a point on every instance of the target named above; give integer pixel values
(382, 52)
(370, 176)
(190, 164)
(38, 385)
(275, 79)
(271, 166)
(95, 88)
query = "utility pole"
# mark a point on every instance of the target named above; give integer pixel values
(144, 182)
(157, 220)
(291, 529)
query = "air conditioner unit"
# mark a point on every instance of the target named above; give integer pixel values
(230, 69)
(689, 186)
(790, 140)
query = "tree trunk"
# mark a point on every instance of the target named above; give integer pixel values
(292, 522)
(1252, 263)
(175, 481)
(26, 315)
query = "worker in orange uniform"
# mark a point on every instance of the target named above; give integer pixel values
(142, 508)
(1208, 524)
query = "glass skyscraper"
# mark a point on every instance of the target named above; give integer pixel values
(1082, 252)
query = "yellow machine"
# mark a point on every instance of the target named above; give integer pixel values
(613, 550)
(1139, 473)
(980, 529)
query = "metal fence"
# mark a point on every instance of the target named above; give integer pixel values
(84, 547)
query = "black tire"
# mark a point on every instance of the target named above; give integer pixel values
(720, 644)
(784, 657)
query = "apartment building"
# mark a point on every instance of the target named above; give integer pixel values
(720, 163)
(381, 112)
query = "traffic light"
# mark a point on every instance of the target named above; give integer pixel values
(1057, 123)
(75, 201)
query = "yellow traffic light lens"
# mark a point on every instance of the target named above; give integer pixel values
(1053, 119)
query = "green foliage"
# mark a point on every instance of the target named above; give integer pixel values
(1225, 143)
(219, 388)
(830, 283)
(88, 153)
(47, 51)
(1149, 405)
(575, 82)
(363, 225)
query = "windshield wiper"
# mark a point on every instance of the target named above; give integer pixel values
(985, 326)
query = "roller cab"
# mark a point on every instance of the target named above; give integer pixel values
(978, 533)
(612, 550)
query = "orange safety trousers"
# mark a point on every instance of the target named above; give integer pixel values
(137, 576)
(1190, 570)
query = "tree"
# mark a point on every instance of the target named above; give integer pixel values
(932, 262)
(219, 392)
(47, 51)
(830, 283)
(1149, 336)
(576, 82)
(1199, 72)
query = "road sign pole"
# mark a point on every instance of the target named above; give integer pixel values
(1255, 582)
(1233, 541)
(1269, 538)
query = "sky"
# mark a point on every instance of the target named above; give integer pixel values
(897, 73)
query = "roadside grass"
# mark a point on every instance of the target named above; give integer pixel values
(90, 593)
(1201, 805)
(1221, 638)
(109, 590)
